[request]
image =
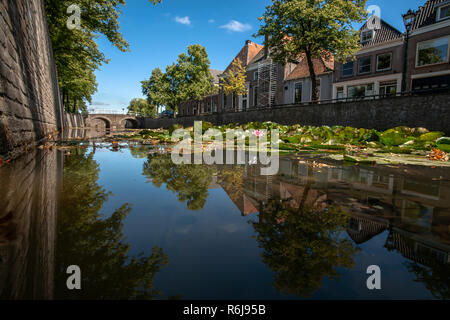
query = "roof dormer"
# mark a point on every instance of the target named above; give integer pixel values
(442, 11)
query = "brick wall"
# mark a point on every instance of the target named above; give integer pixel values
(430, 111)
(30, 108)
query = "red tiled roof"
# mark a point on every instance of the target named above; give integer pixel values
(247, 53)
(321, 66)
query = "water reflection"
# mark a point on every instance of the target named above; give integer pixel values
(96, 243)
(303, 211)
(314, 226)
(29, 194)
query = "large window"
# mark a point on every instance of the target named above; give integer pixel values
(388, 88)
(298, 92)
(364, 65)
(360, 92)
(432, 52)
(384, 62)
(347, 69)
(255, 76)
(255, 96)
(444, 12)
(340, 93)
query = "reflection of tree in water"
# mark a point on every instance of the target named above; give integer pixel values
(189, 182)
(95, 243)
(436, 278)
(139, 151)
(303, 248)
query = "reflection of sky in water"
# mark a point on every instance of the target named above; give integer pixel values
(212, 251)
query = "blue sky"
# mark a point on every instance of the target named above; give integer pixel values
(157, 34)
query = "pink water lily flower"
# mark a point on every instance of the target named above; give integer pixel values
(258, 133)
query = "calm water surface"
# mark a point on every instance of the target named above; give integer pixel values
(140, 227)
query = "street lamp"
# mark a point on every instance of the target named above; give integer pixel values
(408, 20)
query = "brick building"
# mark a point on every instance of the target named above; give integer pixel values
(378, 67)
(428, 64)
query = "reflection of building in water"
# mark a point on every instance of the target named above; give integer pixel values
(363, 228)
(418, 248)
(375, 197)
(29, 195)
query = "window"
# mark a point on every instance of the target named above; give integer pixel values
(388, 88)
(347, 69)
(255, 76)
(340, 93)
(224, 101)
(384, 62)
(360, 92)
(364, 65)
(443, 12)
(298, 92)
(432, 52)
(233, 101)
(366, 36)
(255, 96)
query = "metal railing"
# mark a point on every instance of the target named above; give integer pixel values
(115, 112)
(332, 101)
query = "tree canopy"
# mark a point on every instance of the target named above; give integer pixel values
(76, 52)
(187, 78)
(315, 28)
(142, 107)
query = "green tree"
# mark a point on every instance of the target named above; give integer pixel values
(142, 107)
(156, 89)
(235, 79)
(76, 52)
(315, 28)
(95, 242)
(303, 248)
(188, 78)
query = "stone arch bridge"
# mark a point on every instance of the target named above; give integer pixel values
(112, 121)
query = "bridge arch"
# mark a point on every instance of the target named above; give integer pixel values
(129, 123)
(100, 123)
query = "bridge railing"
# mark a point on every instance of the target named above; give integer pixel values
(115, 112)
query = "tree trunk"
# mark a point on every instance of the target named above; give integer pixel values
(314, 94)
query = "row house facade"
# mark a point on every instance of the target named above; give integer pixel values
(390, 62)
(377, 68)
(428, 65)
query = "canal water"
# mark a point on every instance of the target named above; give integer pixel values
(140, 227)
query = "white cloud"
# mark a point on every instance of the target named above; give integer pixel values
(236, 26)
(99, 103)
(211, 20)
(183, 20)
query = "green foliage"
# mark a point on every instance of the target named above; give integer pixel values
(235, 79)
(188, 78)
(174, 127)
(315, 28)
(76, 52)
(95, 242)
(431, 136)
(142, 107)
